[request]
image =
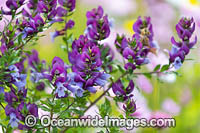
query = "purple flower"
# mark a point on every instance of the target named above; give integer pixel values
(136, 49)
(69, 25)
(141, 25)
(54, 35)
(19, 80)
(27, 31)
(40, 86)
(9, 110)
(33, 109)
(58, 67)
(25, 13)
(42, 7)
(35, 77)
(129, 65)
(12, 4)
(128, 53)
(69, 4)
(185, 29)
(118, 88)
(38, 20)
(3, 48)
(130, 87)
(121, 43)
(10, 97)
(120, 91)
(95, 14)
(52, 14)
(97, 25)
(91, 89)
(130, 106)
(61, 12)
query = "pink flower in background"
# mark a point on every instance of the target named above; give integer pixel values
(142, 110)
(171, 107)
(161, 20)
(159, 114)
(186, 96)
(118, 8)
(144, 84)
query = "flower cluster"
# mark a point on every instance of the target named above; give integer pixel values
(135, 50)
(124, 95)
(13, 5)
(185, 29)
(86, 64)
(16, 76)
(58, 77)
(37, 70)
(17, 109)
(98, 27)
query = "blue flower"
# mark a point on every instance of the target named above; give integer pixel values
(73, 86)
(76, 88)
(79, 92)
(21, 82)
(102, 79)
(15, 74)
(35, 77)
(60, 89)
(1, 90)
(27, 31)
(91, 89)
(177, 63)
(13, 120)
(54, 35)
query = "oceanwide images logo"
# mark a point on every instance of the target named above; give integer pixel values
(96, 121)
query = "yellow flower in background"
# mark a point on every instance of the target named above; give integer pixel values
(128, 25)
(194, 2)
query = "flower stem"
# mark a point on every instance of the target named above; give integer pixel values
(2, 106)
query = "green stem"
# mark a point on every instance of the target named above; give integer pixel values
(66, 109)
(2, 106)
(51, 113)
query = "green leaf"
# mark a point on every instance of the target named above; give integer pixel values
(121, 69)
(105, 108)
(157, 68)
(77, 111)
(164, 68)
(104, 52)
(148, 75)
(44, 108)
